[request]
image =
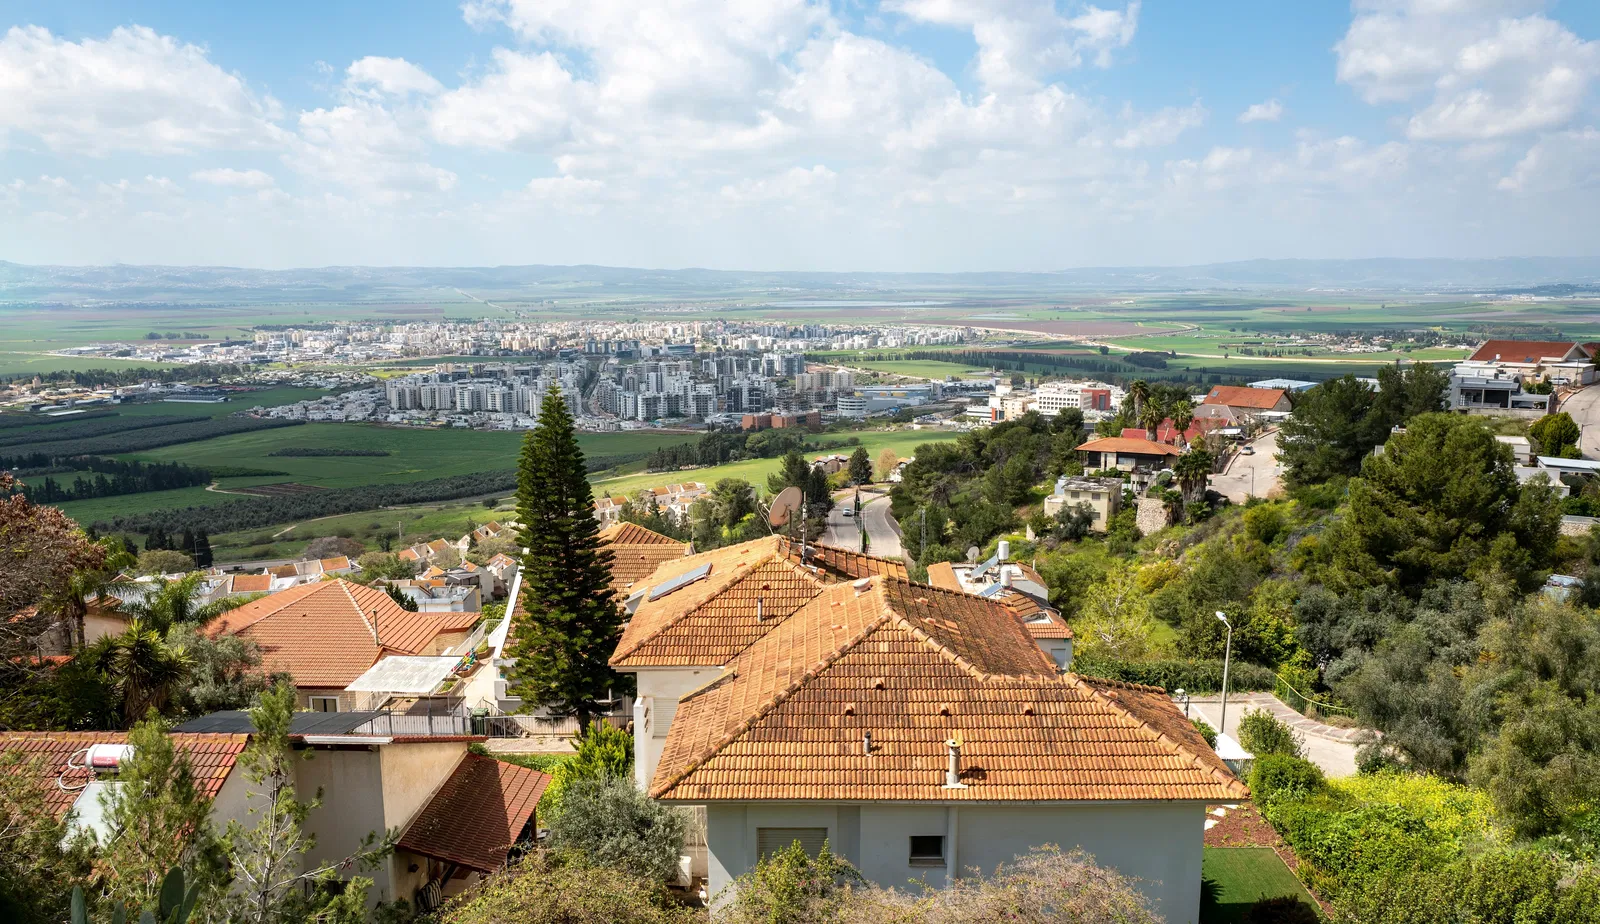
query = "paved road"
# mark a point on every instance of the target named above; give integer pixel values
(1336, 758)
(1584, 408)
(1255, 475)
(845, 532)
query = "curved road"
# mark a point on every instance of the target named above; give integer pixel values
(845, 532)
(1249, 476)
(1583, 406)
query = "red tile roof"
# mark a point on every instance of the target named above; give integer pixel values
(836, 564)
(915, 666)
(1527, 351)
(636, 553)
(252, 583)
(211, 757)
(1123, 444)
(477, 814)
(326, 634)
(1263, 399)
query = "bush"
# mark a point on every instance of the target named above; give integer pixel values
(607, 751)
(789, 887)
(1206, 732)
(1200, 676)
(1261, 733)
(538, 891)
(1281, 910)
(1275, 777)
(609, 822)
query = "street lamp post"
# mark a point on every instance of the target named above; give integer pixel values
(1227, 657)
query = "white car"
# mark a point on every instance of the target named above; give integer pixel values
(849, 511)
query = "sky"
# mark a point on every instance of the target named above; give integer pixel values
(910, 135)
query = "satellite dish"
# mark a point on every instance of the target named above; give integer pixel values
(972, 555)
(784, 506)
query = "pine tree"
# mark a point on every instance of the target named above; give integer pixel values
(571, 622)
(202, 549)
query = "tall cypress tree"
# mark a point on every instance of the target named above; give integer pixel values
(571, 622)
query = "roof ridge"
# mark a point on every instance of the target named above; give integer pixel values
(766, 707)
(1228, 780)
(377, 642)
(741, 571)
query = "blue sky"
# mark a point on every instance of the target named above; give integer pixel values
(796, 134)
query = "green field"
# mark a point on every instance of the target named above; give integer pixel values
(415, 455)
(266, 397)
(755, 471)
(1235, 877)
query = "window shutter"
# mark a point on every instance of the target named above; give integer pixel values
(772, 840)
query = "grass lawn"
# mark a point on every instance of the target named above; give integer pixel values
(1235, 877)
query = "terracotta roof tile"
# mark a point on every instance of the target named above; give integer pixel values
(836, 564)
(714, 618)
(212, 758)
(1244, 396)
(914, 665)
(326, 634)
(1524, 351)
(477, 814)
(1122, 444)
(634, 534)
(942, 574)
(252, 583)
(636, 553)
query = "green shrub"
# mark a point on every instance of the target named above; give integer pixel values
(1275, 777)
(609, 822)
(1206, 732)
(1200, 676)
(606, 751)
(542, 892)
(1262, 733)
(1281, 910)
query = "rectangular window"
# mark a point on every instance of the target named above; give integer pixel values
(927, 850)
(324, 704)
(771, 840)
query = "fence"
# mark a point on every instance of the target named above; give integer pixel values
(1305, 705)
(390, 723)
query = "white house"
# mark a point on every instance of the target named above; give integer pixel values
(923, 734)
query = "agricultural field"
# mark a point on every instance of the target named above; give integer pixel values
(414, 455)
(930, 369)
(266, 397)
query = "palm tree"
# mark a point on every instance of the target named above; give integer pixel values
(177, 603)
(1182, 415)
(1151, 420)
(142, 668)
(1139, 393)
(1192, 468)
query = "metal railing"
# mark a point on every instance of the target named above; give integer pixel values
(392, 723)
(1304, 704)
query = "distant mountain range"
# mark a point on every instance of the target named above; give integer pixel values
(1553, 275)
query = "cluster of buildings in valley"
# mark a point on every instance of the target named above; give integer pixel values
(54, 398)
(361, 342)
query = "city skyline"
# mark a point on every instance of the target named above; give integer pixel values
(912, 135)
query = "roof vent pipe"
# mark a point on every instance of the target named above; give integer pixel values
(866, 743)
(1004, 550)
(758, 609)
(952, 773)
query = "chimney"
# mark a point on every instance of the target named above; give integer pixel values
(952, 773)
(1004, 550)
(866, 743)
(758, 609)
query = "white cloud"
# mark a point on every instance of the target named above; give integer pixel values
(1269, 111)
(135, 90)
(1022, 42)
(1487, 71)
(1163, 128)
(788, 187)
(391, 76)
(1565, 161)
(369, 148)
(227, 176)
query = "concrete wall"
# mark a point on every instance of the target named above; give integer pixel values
(352, 784)
(1156, 843)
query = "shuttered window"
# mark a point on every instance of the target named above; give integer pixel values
(772, 840)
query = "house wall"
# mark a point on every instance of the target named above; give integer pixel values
(1157, 843)
(351, 781)
(347, 701)
(660, 689)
